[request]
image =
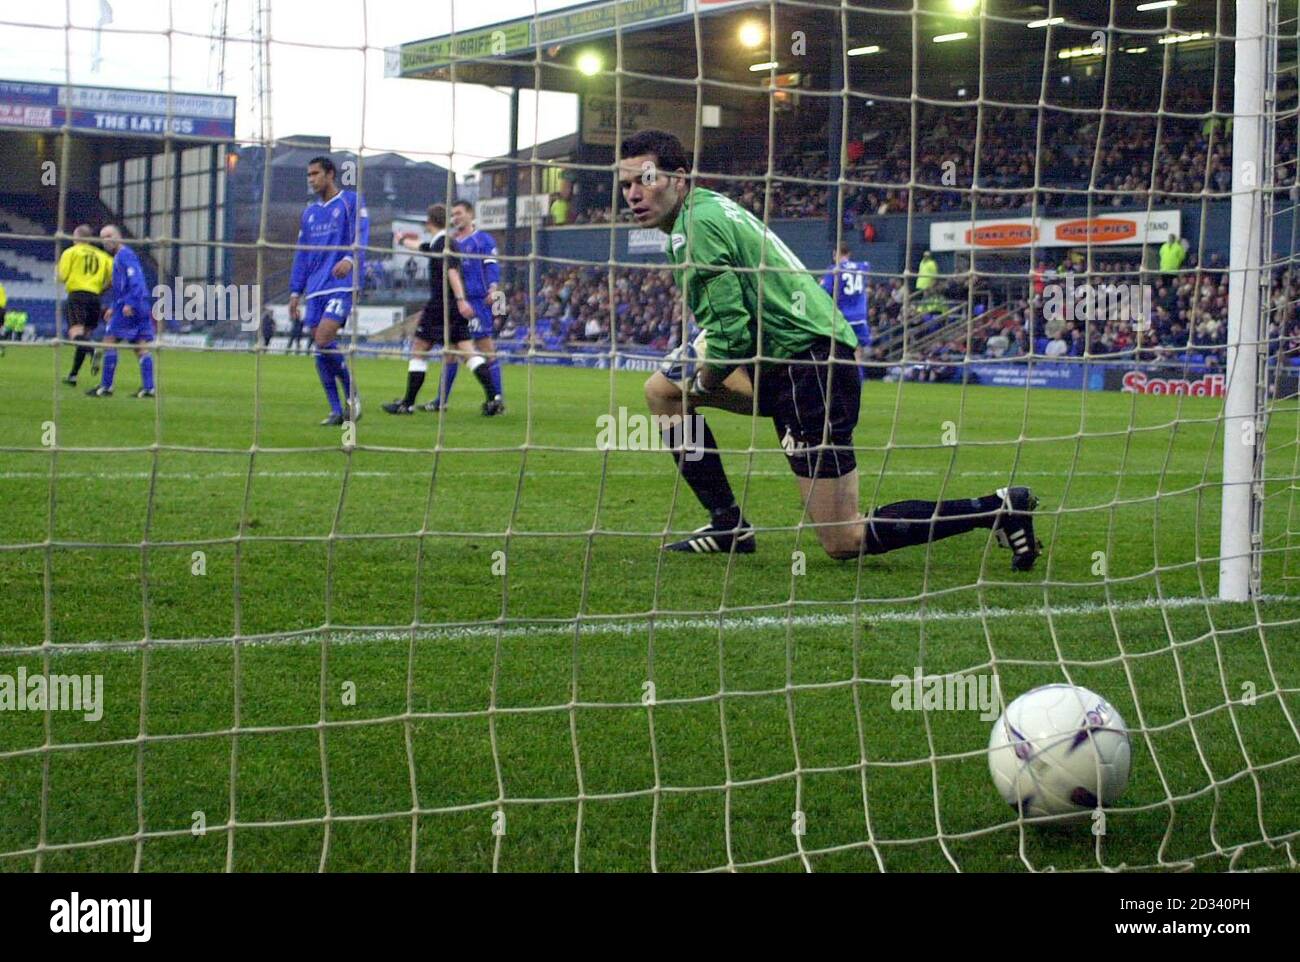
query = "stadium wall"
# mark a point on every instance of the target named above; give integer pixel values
(1190, 377)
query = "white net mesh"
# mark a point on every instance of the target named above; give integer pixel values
(449, 642)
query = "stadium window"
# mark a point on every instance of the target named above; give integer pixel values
(194, 191)
(194, 261)
(133, 202)
(161, 199)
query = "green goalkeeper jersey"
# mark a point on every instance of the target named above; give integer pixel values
(717, 249)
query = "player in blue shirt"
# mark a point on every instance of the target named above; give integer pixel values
(130, 318)
(476, 253)
(327, 272)
(846, 282)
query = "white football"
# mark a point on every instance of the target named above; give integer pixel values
(1059, 749)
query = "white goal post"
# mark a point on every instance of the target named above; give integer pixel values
(1246, 393)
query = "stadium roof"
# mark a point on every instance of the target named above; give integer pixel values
(557, 148)
(297, 150)
(657, 41)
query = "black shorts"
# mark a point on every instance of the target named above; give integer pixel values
(813, 400)
(84, 310)
(431, 327)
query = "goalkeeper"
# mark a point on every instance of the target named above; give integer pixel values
(776, 346)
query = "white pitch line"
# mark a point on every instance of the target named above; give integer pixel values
(885, 616)
(611, 626)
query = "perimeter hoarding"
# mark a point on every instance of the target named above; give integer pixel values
(1009, 233)
(115, 110)
(513, 37)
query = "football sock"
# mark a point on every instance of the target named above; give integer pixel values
(494, 373)
(146, 372)
(83, 352)
(415, 371)
(325, 371)
(340, 365)
(110, 369)
(482, 370)
(449, 369)
(701, 468)
(906, 523)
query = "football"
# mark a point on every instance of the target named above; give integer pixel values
(1059, 749)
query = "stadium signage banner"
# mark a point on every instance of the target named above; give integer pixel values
(605, 125)
(1013, 232)
(646, 241)
(517, 36)
(1139, 382)
(367, 320)
(184, 340)
(50, 106)
(517, 352)
(530, 209)
(1054, 374)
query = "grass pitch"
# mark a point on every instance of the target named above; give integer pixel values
(350, 676)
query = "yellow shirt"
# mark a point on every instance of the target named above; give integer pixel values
(85, 268)
(1171, 256)
(4, 297)
(927, 275)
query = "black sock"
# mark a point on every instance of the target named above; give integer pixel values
(414, 381)
(906, 523)
(83, 352)
(701, 468)
(484, 374)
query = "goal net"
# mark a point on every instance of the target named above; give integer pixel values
(236, 640)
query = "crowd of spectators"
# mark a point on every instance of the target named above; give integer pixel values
(1188, 312)
(996, 158)
(1181, 316)
(581, 305)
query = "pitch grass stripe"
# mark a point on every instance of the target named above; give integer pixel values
(595, 625)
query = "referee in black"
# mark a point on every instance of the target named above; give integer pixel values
(86, 272)
(443, 273)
